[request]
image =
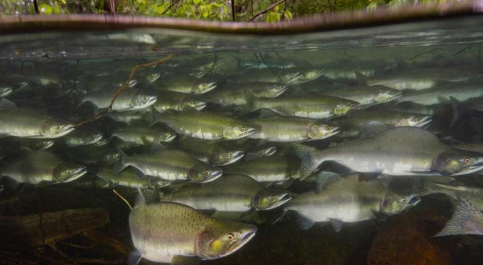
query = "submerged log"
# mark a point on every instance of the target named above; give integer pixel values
(46, 228)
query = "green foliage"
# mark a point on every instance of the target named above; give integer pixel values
(201, 9)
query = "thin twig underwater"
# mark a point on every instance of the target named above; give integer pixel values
(124, 87)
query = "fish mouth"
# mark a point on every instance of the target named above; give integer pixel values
(209, 86)
(280, 91)
(242, 241)
(96, 139)
(471, 169)
(77, 174)
(6, 91)
(249, 132)
(294, 77)
(151, 100)
(216, 174)
(170, 138)
(67, 129)
(332, 132)
(46, 145)
(281, 201)
(413, 201)
(237, 155)
(197, 105)
(424, 121)
(154, 77)
(268, 151)
(132, 83)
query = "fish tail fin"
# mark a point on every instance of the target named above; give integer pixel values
(249, 107)
(307, 163)
(477, 124)
(151, 116)
(134, 258)
(466, 219)
(120, 165)
(361, 79)
(458, 109)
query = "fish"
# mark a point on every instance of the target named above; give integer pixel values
(169, 164)
(266, 62)
(127, 117)
(459, 91)
(170, 100)
(204, 124)
(230, 193)
(266, 168)
(37, 167)
(129, 178)
(402, 151)
(365, 95)
(315, 107)
(30, 123)
(129, 100)
(419, 78)
(366, 123)
(270, 74)
(83, 135)
(174, 233)
(291, 129)
(213, 152)
(144, 135)
(347, 200)
(235, 94)
(188, 84)
(92, 154)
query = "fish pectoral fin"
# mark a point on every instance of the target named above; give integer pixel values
(266, 113)
(466, 219)
(251, 156)
(379, 216)
(372, 128)
(139, 173)
(304, 223)
(6, 104)
(185, 260)
(336, 224)
(134, 258)
(324, 179)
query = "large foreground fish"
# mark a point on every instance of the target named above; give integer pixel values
(174, 233)
(402, 151)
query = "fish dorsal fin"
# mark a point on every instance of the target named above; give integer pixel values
(266, 113)
(336, 224)
(185, 260)
(361, 79)
(6, 104)
(140, 200)
(467, 219)
(324, 178)
(158, 148)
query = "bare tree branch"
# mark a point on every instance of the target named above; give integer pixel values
(266, 10)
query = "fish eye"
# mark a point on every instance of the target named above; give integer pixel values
(243, 129)
(207, 172)
(403, 200)
(228, 155)
(273, 198)
(230, 236)
(467, 160)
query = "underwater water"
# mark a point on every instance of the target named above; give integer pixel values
(359, 146)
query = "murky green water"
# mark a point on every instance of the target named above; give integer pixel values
(344, 147)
